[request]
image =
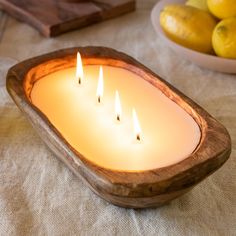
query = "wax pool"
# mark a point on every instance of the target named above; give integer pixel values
(169, 134)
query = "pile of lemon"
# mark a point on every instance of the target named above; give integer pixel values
(207, 26)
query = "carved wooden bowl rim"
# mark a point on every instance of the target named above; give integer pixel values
(213, 150)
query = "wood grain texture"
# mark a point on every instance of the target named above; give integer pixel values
(128, 189)
(54, 17)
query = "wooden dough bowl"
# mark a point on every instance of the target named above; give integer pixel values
(127, 189)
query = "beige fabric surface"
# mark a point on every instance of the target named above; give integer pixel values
(40, 196)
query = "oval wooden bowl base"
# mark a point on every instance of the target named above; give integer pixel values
(127, 189)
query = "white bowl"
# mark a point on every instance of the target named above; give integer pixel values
(201, 59)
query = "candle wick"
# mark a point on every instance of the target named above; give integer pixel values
(138, 137)
(79, 80)
(99, 99)
(118, 117)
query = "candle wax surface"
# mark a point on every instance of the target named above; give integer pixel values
(169, 134)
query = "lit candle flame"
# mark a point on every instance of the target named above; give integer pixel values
(79, 69)
(100, 85)
(137, 129)
(117, 106)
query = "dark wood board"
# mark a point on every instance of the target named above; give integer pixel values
(54, 17)
(138, 189)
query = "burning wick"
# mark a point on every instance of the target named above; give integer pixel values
(79, 69)
(138, 137)
(117, 106)
(137, 129)
(100, 85)
(118, 117)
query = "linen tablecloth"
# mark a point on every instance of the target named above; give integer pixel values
(40, 196)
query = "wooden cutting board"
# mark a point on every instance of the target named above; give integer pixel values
(54, 17)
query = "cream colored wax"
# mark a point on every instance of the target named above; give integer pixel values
(169, 134)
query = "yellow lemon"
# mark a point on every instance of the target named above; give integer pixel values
(188, 26)
(200, 4)
(224, 38)
(222, 8)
